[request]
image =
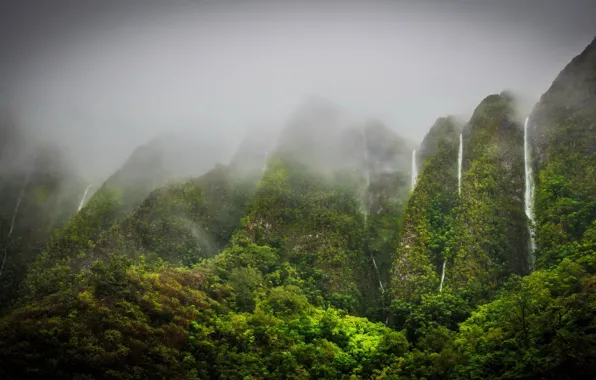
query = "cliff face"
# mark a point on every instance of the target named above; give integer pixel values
(563, 132)
(388, 167)
(490, 233)
(164, 159)
(428, 216)
(480, 236)
(38, 192)
(567, 108)
(182, 223)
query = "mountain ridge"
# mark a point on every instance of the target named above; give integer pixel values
(330, 258)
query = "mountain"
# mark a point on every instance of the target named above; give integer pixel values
(491, 227)
(334, 250)
(562, 127)
(167, 158)
(39, 193)
(250, 160)
(428, 218)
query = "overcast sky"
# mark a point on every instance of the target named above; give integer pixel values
(101, 77)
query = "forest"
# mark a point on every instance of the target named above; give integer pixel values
(346, 252)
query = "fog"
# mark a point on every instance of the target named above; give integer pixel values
(98, 78)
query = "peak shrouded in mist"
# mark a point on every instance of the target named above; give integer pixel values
(251, 189)
(99, 80)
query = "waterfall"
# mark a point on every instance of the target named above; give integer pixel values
(443, 275)
(378, 275)
(14, 216)
(367, 178)
(84, 197)
(414, 170)
(529, 193)
(460, 157)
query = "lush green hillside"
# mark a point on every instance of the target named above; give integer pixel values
(428, 218)
(563, 128)
(38, 192)
(389, 164)
(316, 260)
(181, 223)
(162, 160)
(490, 234)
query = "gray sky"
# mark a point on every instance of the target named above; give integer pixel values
(101, 77)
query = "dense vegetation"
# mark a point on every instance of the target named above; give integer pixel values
(428, 219)
(564, 132)
(321, 262)
(39, 192)
(491, 235)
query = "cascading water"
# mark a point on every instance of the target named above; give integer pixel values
(84, 197)
(529, 193)
(367, 178)
(460, 157)
(414, 169)
(14, 216)
(443, 275)
(378, 274)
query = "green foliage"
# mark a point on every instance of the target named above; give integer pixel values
(316, 224)
(490, 237)
(542, 326)
(179, 223)
(286, 338)
(565, 205)
(33, 204)
(564, 155)
(119, 322)
(428, 220)
(218, 278)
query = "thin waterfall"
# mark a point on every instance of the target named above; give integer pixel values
(367, 178)
(529, 193)
(84, 197)
(414, 169)
(460, 157)
(378, 274)
(443, 275)
(14, 216)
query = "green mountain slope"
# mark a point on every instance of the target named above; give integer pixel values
(38, 193)
(317, 260)
(428, 216)
(491, 236)
(563, 129)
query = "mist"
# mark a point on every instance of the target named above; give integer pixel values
(98, 79)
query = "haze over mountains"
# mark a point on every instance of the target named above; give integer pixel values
(100, 80)
(327, 244)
